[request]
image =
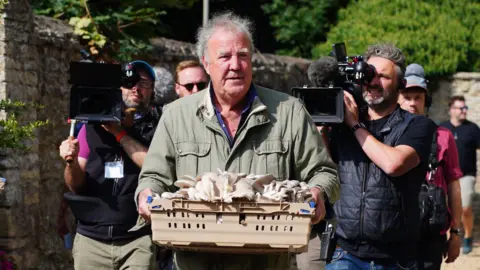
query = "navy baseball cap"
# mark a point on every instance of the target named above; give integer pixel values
(142, 65)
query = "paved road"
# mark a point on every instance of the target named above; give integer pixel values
(466, 262)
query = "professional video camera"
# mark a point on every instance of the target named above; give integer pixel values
(330, 76)
(95, 94)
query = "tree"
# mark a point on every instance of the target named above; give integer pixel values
(300, 24)
(112, 28)
(440, 35)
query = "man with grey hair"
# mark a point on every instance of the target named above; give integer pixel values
(236, 126)
(382, 153)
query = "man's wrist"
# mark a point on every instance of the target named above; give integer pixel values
(357, 126)
(119, 136)
(455, 231)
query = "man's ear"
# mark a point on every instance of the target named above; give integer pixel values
(177, 89)
(205, 64)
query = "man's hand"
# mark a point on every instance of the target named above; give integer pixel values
(453, 248)
(113, 128)
(351, 110)
(143, 209)
(319, 205)
(69, 148)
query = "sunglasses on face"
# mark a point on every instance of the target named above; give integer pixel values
(464, 108)
(189, 86)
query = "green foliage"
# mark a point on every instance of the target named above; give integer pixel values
(12, 133)
(112, 28)
(300, 24)
(440, 35)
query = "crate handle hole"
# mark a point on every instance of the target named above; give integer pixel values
(263, 228)
(271, 228)
(198, 226)
(258, 216)
(241, 219)
(169, 225)
(256, 228)
(184, 225)
(291, 228)
(278, 217)
(276, 228)
(175, 225)
(189, 225)
(203, 226)
(183, 214)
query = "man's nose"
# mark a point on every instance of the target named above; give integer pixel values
(234, 63)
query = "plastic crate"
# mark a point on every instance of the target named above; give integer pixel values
(238, 227)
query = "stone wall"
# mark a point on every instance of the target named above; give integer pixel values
(34, 55)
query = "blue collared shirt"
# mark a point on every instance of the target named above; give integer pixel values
(251, 95)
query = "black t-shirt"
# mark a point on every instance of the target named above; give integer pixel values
(467, 138)
(417, 135)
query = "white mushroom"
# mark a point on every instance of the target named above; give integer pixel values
(185, 183)
(292, 183)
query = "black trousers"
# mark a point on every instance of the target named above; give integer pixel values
(430, 251)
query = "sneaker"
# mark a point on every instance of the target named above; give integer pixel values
(467, 245)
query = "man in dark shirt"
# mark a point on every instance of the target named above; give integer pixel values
(467, 138)
(382, 155)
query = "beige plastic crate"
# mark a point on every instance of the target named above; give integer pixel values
(238, 227)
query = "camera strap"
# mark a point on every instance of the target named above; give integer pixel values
(433, 162)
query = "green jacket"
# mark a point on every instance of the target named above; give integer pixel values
(278, 137)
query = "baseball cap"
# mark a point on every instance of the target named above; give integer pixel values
(415, 76)
(146, 67)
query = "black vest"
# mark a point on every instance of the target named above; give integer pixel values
(105, 209)
(378, 215)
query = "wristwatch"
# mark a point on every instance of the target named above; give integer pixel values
(358, 126)
(455, 231)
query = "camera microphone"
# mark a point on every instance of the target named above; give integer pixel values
(323, 72)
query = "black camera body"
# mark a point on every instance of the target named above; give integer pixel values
(96, 94)
(331, 76)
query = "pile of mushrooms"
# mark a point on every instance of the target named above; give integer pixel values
(225, 186)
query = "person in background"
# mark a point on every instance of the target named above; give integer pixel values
(382, 155)
(103, 175)
(467, 138)
(190, 78)
(445, 173)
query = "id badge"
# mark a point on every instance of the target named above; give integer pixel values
(114, 169)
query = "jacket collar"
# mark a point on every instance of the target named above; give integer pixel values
(206, 108)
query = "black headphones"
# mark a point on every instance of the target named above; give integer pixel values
(428, 100)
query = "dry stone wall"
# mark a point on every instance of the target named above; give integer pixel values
(34, 56)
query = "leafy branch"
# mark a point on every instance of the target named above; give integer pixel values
(114, 28)
(12, 133)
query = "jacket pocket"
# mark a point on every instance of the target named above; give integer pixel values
(271, 158)
(192, 157)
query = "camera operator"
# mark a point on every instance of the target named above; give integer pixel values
(382, 156)
(444, 173)
(106, 163)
